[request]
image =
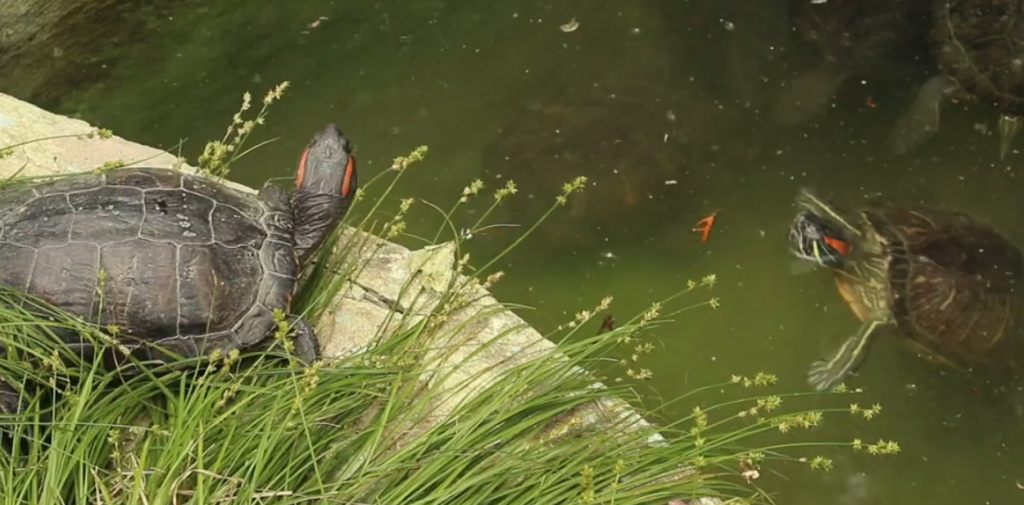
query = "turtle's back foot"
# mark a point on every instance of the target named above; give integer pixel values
(920, 122)
(10, 399)
(307, 347)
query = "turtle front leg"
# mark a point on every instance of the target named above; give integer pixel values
(826, 374)
(307, 346)
(1008, 128)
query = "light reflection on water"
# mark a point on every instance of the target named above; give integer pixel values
(458, 78)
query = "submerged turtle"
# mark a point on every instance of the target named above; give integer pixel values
(189, 266)
(867, 38)
(625, 138)
(979, 47)
(944, 279)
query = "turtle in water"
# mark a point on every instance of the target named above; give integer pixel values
(625, 138)
(942, 278)
(979, 48)
(867, 38)
(188, 265)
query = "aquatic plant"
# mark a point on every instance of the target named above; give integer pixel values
(366, 428)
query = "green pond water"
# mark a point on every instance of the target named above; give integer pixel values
(641, 93)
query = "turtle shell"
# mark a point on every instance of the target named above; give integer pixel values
(187, 263)
(955, 283)
(865, 36)
(980, 44)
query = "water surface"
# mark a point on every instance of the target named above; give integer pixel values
(476, 82)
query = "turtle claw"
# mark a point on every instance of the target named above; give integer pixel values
(821, 376)
(307, 347)
(1008, 128)
(826, 374)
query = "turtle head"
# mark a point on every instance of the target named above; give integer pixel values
(325, 183)
(813, 238)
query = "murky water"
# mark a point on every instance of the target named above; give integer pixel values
(641, 93)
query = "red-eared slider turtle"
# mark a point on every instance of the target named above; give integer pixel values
(944, 279)
(190, 265)
(979, 48)
(866, 38)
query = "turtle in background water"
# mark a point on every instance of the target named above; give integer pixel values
(866, 38)
(979, 48)
(635, 143)
(949, 283)
(189, 265)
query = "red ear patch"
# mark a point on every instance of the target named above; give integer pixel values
(350, 172)
(839, 245)
(301, 173)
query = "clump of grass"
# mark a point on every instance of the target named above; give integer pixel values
(362, 430)
(219, 155)
(366, 427)
(101, 133)
(10, 150)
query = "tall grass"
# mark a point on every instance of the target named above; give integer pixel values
(368, 427)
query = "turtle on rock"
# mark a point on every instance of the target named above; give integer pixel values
(181, 264)
(979, 48)
(948, 282)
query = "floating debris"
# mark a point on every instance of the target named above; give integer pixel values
(705, 225)
(570, 27)
(316, 22)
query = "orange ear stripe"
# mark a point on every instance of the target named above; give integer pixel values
(301, 173)
(840, 245)
(350, 171)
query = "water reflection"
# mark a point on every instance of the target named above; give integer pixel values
(486, 84)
